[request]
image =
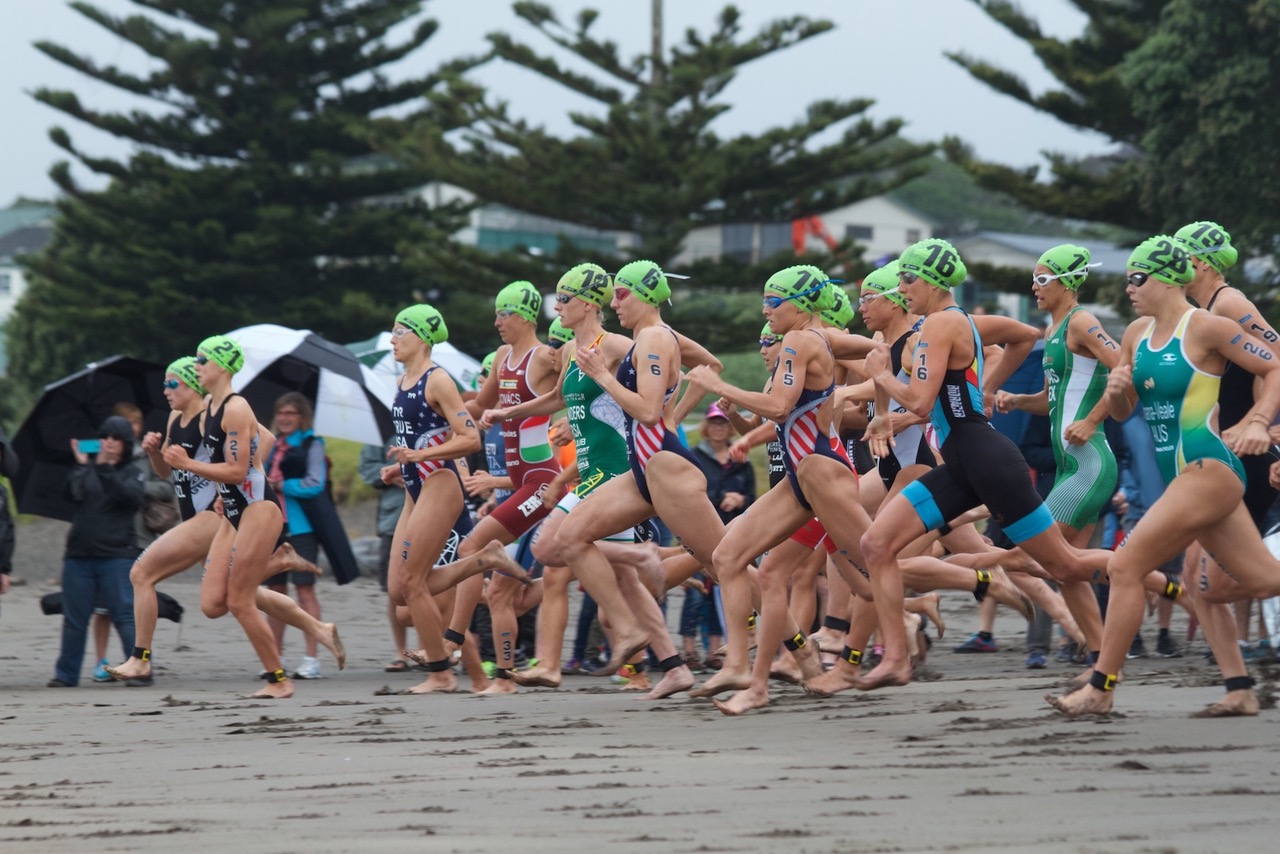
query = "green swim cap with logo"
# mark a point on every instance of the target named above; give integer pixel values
(185, 370)
(486, 365)
(1165, 258)
(522, 298)
(1209, 241)
(805, 285)
(884, 281)
(842, 312)
(936, 261)
(1070, 263)
(223, 352)
(424, 321)
(767, 334)
(646, 280)
(587, 282)
(559, 332)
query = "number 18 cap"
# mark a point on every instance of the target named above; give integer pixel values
(522, 298)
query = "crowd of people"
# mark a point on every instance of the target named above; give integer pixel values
(887, 482)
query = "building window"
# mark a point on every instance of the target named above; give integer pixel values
(913, 236)
(5, 283)
(775, 238)
(858, 232)
(737, 241)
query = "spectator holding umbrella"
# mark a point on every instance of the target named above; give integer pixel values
(107, 490)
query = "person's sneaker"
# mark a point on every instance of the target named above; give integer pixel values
(976, 643)
(574, 666)
(101, 674)
(489, 668)
(1066, 653)
(1037, 661)
(1166, 648)
(309, 669)
(1137, 649)
(58, 683)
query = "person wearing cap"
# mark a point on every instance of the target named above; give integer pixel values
(1172, 359)
(731, 484)
(186, 544)
(597, 424)
(433, 429)
(523, 368)
(663, 476)
(107, 490)
(980, 465)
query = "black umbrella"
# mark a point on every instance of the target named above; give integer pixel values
(74, 408)
(278, 359)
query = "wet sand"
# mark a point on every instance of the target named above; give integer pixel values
(968, 758)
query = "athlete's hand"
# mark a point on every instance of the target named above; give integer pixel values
(176, 457)
(732, 501)
(1120, 380)
(877, 360)
(1273, 475)
(391, 476)
(479, 482)
(492, 416)
(406, 456)
(560, 434)
(591, 362)
(554, 492)
(738, 450)
(151, 442)
(1079, 432)
(1248, 438)
(879, 435)
(704, 378)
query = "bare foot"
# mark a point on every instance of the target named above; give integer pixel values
(672, 682)
(287, 559)
(785, 668)
(652, 574)
(417, 656)
(636, 682)
(1237, 704)
(725, 680)
(1007, 593)
(827, 641)
(537, 677)
(494, 557)
(443, 682)
(499, 686)
(842, 677)
(624, 649)
(928, 605)
(1085, 675)
(273, 691)
(1082, 701)
(884, 674)
(912, 623)
(133, 668)
(328, 638)
(743, 701)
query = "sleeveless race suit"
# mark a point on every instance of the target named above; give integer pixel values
(195, 493)
(531, 464)
(1235, 399)
(1086, 473)
(417, 425)
(980, 465)
(644, 442)
(236, 498)
(1179, 402)
(801, 436)
(910, 446)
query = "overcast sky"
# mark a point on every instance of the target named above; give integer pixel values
(888, 50)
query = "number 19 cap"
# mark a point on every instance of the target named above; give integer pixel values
(522, 298)
(1209, 241)
(425, 322)
(936, 261)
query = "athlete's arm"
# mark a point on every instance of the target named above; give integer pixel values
(1235, 305)
(240, 426)
(1121, 396)
(693, 354)
(442, 394)
(657, 369)
(1017, 338)
(544, 367)
(847, 345)
(1085, 333)
(1036, 404)
(487, 396)
(799, 349)
(932, 357)
(1249, 437)
(154, 444)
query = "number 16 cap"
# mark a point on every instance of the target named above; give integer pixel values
(936, 261)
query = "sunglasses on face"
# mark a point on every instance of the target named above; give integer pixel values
(1137, 279)
(202, 359)
(768, 342)
(907, 278)
(172, 384)
(564, 299)
(504, 314)
(774, 302)
(554, 344)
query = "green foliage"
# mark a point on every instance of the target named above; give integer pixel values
(247, 199)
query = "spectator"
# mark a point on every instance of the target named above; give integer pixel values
(108, 490)
(296, 469)
(731, 485)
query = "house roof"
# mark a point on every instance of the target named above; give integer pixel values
(22, 241)
(1113, 257)
(12, 219)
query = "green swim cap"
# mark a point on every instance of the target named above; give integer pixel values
(185, 370)
(521, 298)
(1070, 263)
(646, 280)
(559, 333)
(842, 312)
(425, 322)
(806, 286)
(936, 261)
(587, 282)
(223, 352)
(1209, 241)
(767, 333)
(487, 365)
(884, 281)
(1165, 258)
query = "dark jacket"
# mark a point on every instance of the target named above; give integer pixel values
(108, 497)
(730, 477)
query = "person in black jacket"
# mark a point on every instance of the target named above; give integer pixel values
(108, 490)
(731, 485)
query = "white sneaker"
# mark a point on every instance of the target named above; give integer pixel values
(309, 669)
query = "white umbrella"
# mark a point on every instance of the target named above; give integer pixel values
(384, 371)
(348, 399)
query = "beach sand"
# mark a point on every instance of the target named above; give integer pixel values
(967, 758)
